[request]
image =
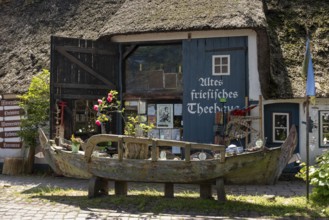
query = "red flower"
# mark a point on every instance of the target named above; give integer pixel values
(98, 123)
(96, 107)
(109, 98)
(100, 101)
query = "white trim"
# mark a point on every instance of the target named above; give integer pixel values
(274, 127)
(321, 141)
(183, 35)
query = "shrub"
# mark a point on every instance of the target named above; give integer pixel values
(318, 176)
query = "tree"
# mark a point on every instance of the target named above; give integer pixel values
(35, 103)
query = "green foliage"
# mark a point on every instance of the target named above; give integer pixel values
(134, 127)
(35, 103)
(319, 177)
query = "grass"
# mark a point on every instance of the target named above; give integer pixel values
(186, 202)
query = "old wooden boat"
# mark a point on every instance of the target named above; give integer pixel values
(259, 167)
(63, 162)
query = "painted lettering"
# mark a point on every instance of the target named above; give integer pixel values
(213, 94)
(210, 82)
(197, 108)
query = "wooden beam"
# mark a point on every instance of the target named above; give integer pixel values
(80, 86)
(76, 61)
(87, 50)
(77, 96)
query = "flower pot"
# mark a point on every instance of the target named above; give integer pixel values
(136, 151)
(75, 148)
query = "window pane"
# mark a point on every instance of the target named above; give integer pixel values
(154, 68)
(280, 121)
(217, 69)
(224, 60)
(224, 69)
(217, 61)
(280, 134)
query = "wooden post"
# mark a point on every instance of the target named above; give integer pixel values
(246, 101)
(260, 107)
(221, 195)
(120, 149)
(188, 153)
(154, 153)
(205, 191)
(169, 190)
(97, 186)
(120, 188)
(13, 165)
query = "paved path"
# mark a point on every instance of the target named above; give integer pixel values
(14, 206)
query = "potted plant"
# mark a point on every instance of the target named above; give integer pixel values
(134, 127)
(76, 142)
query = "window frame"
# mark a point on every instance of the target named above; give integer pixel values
(274, 127)
(321, 138)
(214, 73)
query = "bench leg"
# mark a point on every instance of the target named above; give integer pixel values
(169, 190)
(97, 186)
(120, 188)
(205, 191)
(221, 195)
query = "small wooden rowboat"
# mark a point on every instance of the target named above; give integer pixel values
(258, 167)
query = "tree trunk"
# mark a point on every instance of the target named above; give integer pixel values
(29, 160)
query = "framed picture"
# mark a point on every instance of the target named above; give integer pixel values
(165, 118)
(165, 134)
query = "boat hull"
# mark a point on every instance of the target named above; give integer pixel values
(260, 167)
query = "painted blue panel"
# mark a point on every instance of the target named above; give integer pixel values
(202, 90)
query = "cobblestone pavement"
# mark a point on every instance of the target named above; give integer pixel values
(13, 205)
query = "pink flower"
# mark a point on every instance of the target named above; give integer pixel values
(96, 107)
(98, 123)
(109, 98)
(110, 95)
(100, 101)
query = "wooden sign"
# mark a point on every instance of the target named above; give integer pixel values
(10, 115)
(13, 112)
(9, 102)
(6, 124)
(10, 144)
(8, 134)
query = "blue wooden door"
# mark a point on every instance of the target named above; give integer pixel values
(203, 89)
(291, 110)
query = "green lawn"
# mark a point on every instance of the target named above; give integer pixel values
(186, 202)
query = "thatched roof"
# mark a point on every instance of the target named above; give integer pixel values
(26, 28)
(25, 32)
(288, 23)
(142, 16)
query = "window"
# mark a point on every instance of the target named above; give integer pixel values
(154, 69)
(220, 65)
(280, 127)
(324, 128)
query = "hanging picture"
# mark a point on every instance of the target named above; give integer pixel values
(165, 117)
(151, 109)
